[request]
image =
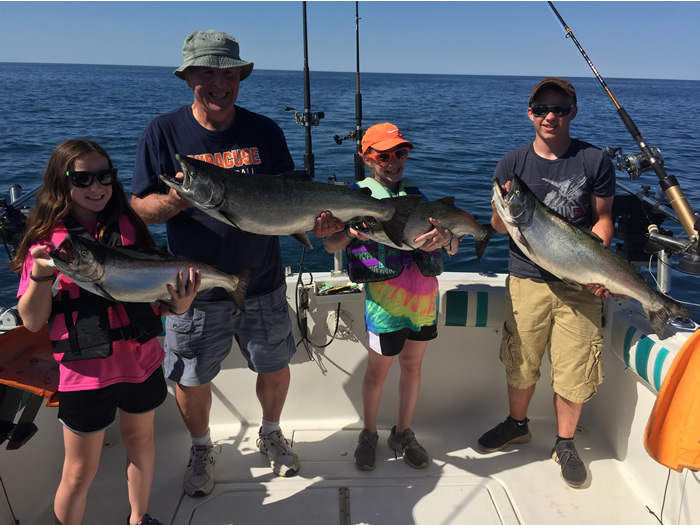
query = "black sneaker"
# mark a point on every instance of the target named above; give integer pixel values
(504, 434)
(145, 520)
(573, 471)
(366, 451)
(413, 453)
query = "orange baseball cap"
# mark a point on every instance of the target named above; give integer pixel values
(383, 137)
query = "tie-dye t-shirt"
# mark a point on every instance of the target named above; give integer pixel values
(407, 301)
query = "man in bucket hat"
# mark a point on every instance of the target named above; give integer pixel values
(213, 128)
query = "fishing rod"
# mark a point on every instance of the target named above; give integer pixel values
(308, 118)
(648, 159)
(356, 135)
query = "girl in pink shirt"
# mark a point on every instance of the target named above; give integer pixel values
(101, 368)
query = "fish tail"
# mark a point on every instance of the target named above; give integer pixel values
(238, 289)
(482, 243)
(395, 226)
(665, 311)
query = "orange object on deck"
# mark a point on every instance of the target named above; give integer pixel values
(27, 363)
(672, 435)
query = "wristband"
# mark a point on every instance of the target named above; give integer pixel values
(347, 233)
(41, 279)
(448, 244)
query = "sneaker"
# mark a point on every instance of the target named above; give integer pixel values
(413, 453)
(573, 471)
(504, 434)
(145, 520)
(283, 460)
(199, 476)
(366, 451)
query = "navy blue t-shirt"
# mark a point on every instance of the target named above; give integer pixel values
(565, 185)
(254, 144)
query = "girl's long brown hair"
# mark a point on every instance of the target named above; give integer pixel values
(53, 201)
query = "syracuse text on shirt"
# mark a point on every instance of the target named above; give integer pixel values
(235, 158)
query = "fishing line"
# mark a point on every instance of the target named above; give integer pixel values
(8, 501)
(668, 183)
(660, 517)
(653, 277)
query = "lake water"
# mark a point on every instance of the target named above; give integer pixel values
(461, 126)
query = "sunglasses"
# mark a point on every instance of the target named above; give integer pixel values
(84, 179)
(560, 110)
(382, 159)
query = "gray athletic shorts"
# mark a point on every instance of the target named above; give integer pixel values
(197, 342)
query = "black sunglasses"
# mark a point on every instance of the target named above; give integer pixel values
(560, 110)
(84, 179)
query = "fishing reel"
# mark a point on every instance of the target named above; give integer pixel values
(13, 219)
(635, 164)
(307, 118)
(353, 135)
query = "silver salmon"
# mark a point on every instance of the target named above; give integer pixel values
(576, 255)
(285, 204)
(132, 276)
(458, 221)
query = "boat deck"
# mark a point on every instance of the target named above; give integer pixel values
(463, 394)
(520, 485)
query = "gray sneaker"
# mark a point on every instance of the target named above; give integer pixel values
(199, 476)
(413, 453)
(283, 460)
(366, 451)
(573, 471)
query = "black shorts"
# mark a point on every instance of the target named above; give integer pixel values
(89, 411)
(391, 343)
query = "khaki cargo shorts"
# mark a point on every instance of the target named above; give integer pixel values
(539, 314)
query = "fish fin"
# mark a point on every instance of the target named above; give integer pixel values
(481, 244)
(667, 310)
(395, 226)
(592, 235)
(449, 201)
(241, 288)
(98, 290)
(227, 219)
(575, 286)
(303, 239)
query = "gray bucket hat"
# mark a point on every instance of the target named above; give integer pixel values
(212, 48)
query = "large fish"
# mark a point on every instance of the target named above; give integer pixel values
(132, 276)
(458, 221)
(282, 204)
(576, 255)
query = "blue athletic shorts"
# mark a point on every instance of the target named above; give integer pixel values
(197, 342)
(89, 411)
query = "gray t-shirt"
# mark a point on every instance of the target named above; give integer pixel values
(565, 185)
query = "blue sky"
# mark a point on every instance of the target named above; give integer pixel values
(623, 39)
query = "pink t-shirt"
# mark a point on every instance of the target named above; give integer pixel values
(130, 361)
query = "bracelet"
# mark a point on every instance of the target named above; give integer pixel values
(449, 243)
(175, 313)
(41, 279)
(347, 233)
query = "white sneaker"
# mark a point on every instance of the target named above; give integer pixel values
(283, 460)
(199, 476)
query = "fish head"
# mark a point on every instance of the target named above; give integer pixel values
(199, 185)
(516, 204)
(368, 226)
(79, 259)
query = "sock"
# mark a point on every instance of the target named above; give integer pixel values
(562, 439)
(204, 441)
(268, 427)
(521, 423)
